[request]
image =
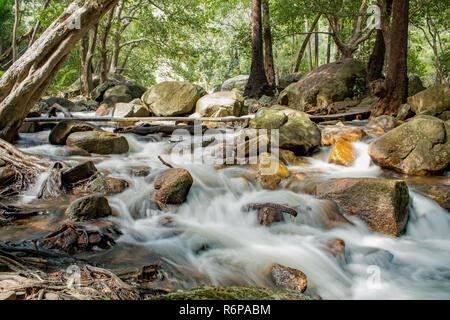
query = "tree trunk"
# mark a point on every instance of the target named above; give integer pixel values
(257, 85)
(316, 49)
(329, 46)
(309, 46)
(268, 47)
(15, 30)
(88, 50)
(376, 61)
(397, 77)
(27, 79)
(104, 49)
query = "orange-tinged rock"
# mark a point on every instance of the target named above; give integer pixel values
(271, 171)
(343, 153)
(331, 134)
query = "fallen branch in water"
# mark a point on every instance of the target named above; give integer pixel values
(165, 162)
(279, 207)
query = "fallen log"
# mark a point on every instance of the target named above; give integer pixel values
(152, 129)
(279, 207)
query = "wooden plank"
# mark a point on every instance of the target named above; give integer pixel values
(146, 119)
(354, 114)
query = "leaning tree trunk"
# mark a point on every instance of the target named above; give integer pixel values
(87, 54)
(376, 61)
(397, 77)
(27, 79)
(306, 42)
(268, 47)
(257, 84)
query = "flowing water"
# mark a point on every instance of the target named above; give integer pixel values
(213, 240)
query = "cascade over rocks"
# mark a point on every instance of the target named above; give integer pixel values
(327, 84)
(419, 147)
(382, 204)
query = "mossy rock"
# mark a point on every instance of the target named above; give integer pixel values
(206, 292)
(99, 142)
(59, 134)
(117, 94)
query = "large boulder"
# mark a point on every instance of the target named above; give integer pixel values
(419, 147)
(172, 98)
(99, 91)
(99, 142)
(327, 84)
(130, 110)
(221, 104)
(415, 86)
(89, 208)
(434, 99)
(117, 94)
(296, 131)
(173, 186)
(382, 204)
(58, 135)
(237, 84)
(289, 79)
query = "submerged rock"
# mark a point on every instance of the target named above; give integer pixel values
(172, 98)
(382, 204)
(419, 147)
(99, 142)
(89, 208)
(173, 186)
(107, 185)
(288, 278)
(343, 153)
(65, 128)
(271, 171)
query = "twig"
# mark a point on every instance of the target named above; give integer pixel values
(164, 162)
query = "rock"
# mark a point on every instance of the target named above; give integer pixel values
(288, 278)
(172, 98)
(237, 84)
(382, 204)
(38, 109)
(88, 104)
(415, 86)
(445, 116)
(28, 127)
(173, 186)
(221, 104)
(419, 147)
(434, 99)
(267, 216)
(89, 208)
(436, 190)
(271, 171)
(140, 171)
(382, 124)
(129, 110)
(63, 102)
(296, 131)
(80, 172)
(290, 159)
(343, 153)
(336, 247)
(99, 91)
(117, 94)
(107, 185)
(331, 134)
(289, 79)
(368, 102)
(104, 110)
(404, 112)
(75, 88)
(327, 84)
(99, 142)
(65, 128)
(7, 176)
